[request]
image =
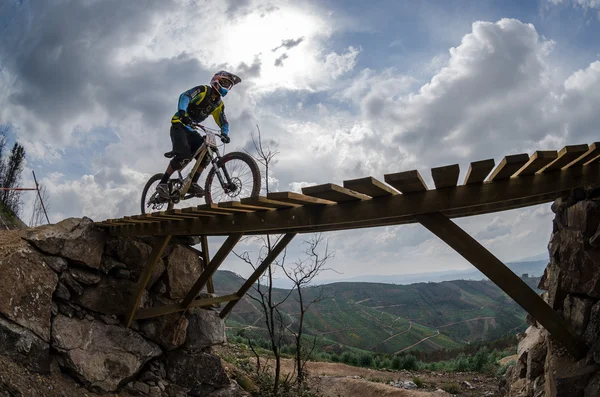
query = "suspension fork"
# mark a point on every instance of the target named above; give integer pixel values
(216, 163)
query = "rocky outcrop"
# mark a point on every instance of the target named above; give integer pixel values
(66, 289)
(572, 283)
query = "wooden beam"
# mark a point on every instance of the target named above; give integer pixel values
(151, 312)
(189, 215)
(478, 170)
(370, 186)
(297, 198)
(332, 192)
(592, 161)
(271, 256)
(525, 191)
(206, 263)
(407, 181)
(446, 176)
(537, 161)
(565, 156)
(159, 247)
(502, 276)
(508, 166)
(261, 201)
(249, 208)
(592, 152)
(214, 264)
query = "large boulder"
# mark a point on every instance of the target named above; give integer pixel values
(102, 356)
(576, 310)
(75, 239)
(183, 269)
(206, 329)
(109, 296)
(26, 285)
(196, 370)
(168, 331)
(134, 255)
(24, 347)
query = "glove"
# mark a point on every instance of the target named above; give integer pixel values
(184, 119)
(225, 139)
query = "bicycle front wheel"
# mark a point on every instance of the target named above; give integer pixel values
(245, 179)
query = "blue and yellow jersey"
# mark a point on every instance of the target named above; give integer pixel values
(198, 105)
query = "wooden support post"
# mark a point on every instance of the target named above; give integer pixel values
(502, 276)
(157, 250)
(206, 261)
(214, 264)
(258, 272)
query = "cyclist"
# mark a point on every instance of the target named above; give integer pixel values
(195, 105)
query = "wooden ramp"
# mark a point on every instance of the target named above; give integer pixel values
(518, 181)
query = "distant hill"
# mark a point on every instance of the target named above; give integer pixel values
(390, 318)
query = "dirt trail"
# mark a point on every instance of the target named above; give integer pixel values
(419, 342)
(335, 387)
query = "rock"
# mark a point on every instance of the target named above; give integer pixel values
(595, 239)
(142, 387)
(56, 263)
(155, 391)
(75, 239)
(192, 370)
(174, 390)
(578, 266)
(593, 387)
(102, 356)
(110, 296)
(134, 255)
(123, 274)
(205, 329)
(109, 263)
(565, 377)
(592, 332)
(70, 282)
(27, 284)
(584, 217)
(576, 310)
(536, 357)
(62, 291)
(168, 331)
(183, 269)
(24, 347)
(84, 276)
(533, 337)
(466, 385)
(409, 385)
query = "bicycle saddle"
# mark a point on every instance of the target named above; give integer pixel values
(170, 154)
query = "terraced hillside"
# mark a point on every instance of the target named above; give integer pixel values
(392, 318)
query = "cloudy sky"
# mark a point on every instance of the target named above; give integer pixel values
(342, 89)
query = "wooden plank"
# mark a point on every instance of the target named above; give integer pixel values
(565, 156)
(407, 181)
(262, 201)
(157, 250)
(478, 170)
(196, 210)
(206, 263)
(225, 249)
(529, 190)
(370, 186)
(502, 276)
(188, 215)
(537, 161)
(594, 160)
(592, 152)
(213, 207)
(239, 205)
(271, 256)
(446, 176)
(297, 198)
(151, 312)
(508, 166)
(333, 192)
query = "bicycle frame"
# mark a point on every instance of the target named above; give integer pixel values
(203, 150)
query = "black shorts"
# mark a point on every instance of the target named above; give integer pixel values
(185, 142)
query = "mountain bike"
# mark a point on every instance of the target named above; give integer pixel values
(237, 176)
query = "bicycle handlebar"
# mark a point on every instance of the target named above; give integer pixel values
(197, 126)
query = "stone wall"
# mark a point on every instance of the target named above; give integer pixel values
(572, 287)
(64, 293)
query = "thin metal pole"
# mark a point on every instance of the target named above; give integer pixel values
(37, 188)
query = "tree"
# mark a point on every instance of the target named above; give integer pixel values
(37, 216)
(302, 274)
(12, 177)
(264, 289)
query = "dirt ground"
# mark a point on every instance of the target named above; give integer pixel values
(336, 379)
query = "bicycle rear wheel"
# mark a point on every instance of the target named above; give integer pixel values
(244, 174)
(150, 200)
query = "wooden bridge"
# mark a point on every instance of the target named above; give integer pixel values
(518, 181)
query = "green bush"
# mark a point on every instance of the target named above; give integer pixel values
(365, 360)
(452, 388)
(418, 381)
